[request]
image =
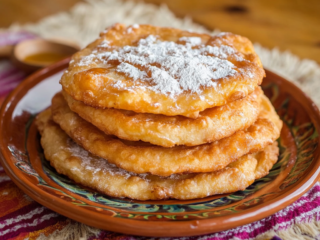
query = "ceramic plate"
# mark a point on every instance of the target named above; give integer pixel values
(295, 172)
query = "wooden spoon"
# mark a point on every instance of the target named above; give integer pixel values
(31, 55)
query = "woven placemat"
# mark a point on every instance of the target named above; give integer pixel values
(82, 25)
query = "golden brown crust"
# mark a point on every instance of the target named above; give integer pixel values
(140, 157)
(242, 44)
(267, 160)
(94, 83)
(71, 160)
(212, 124)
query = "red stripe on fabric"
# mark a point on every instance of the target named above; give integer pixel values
(4, 178)
(12, 77)
(21, 211)
(28, 229)
(9, 87)
(7, 71)
(35, 217)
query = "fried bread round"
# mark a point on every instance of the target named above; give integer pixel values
(70, 159)
(141, 157)
(212, 124)
(167, 71)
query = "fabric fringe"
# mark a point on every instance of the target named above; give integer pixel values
(72, 231)
(304, 73)
(85, 21)
(306, 231)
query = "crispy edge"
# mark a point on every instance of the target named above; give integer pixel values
(57, 150)
(211, 125)
(78, 81)
(141, 157)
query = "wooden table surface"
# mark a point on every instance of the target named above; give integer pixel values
(292, 25)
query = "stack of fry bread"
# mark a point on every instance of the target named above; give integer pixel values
(153, 113)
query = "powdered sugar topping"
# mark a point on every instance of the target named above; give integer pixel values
(192, 41)
(170, 68)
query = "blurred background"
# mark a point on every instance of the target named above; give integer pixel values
(292, 25)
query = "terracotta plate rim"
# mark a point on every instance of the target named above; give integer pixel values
(153, 228)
